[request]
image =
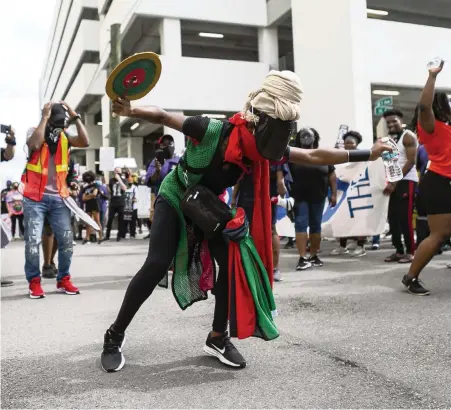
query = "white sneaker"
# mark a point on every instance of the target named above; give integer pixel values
(277, 276)
(359, 251)
(339, 251)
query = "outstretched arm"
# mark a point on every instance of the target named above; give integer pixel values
(426, 115)
(332, 156)
(154, 115)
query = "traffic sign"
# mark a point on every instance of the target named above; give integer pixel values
(385, 102)
(379, 111)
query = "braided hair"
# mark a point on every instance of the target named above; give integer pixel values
(440, 107)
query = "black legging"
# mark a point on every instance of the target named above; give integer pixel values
(15, 218)
(164, 238)
(112, 211)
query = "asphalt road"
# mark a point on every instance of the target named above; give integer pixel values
(351, 337)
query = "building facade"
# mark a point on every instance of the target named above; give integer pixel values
(348, 53)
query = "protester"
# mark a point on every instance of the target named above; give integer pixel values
(117, 186)
(14, 203)
(90, 193)
(402, 193)
(432, 124)
(352, 140)
(6, 154)
(45, 187)
(103, 200)
(223, 151)
(309, 190)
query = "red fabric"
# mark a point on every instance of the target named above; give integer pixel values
(246, 318)
(242, 145)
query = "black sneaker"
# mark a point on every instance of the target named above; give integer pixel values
(49, 272)
(112, 359)
(316, 262)
(303, 264)
(414, 286)
(222, 348)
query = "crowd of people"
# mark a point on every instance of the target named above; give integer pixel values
(257, 153)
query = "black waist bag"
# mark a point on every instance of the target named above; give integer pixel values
(205, 210)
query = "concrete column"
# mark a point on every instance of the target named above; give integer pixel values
(105, 121)
(91, 160)
(268, 47)
(330, 60)
(136, 150)
(171, 37)
(179, 138)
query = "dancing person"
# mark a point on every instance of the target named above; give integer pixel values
(352, 140)
(223, 151)
(432, 123)
(44, 188)
(90, 193)
(309, 190)
(117, 186)
(402, 193)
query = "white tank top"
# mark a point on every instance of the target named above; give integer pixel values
(412, 175)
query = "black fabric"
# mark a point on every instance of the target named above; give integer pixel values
(310, 182)
(112, 211)
(164, 237)
(205, 210)
(3, 194)
(435, 194)
(117, 195)
(91, 205)
(3, 150)
(400, 213)
(130, 225)
(359, 155)
(219, 175)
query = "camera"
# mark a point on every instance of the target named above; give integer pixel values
(160, 156)
(5, 129)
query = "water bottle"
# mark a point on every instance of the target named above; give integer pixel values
(393, 171)
(435, 63)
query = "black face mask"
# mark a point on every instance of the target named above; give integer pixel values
(305, 139)
(55, 125)
(272, 136)
(168, 151)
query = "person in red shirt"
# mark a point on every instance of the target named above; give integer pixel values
(432, 123)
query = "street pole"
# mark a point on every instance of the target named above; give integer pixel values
(115, 59)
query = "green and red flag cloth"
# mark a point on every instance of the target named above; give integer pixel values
(251, 301)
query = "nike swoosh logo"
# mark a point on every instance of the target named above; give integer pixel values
(222, 351)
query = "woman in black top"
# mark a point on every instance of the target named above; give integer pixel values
(309, 190)
(218, 176)
(90, 195)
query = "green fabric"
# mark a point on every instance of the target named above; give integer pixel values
(260, 287)
(197, 156)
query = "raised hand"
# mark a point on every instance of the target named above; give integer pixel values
(434, 71)
(122, 107)
(378, 148)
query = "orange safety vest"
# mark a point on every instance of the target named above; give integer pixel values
(35, 175)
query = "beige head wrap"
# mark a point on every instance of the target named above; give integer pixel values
(279, 97)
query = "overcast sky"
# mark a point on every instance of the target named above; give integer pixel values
(24, 34)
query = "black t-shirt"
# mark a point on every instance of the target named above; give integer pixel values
(91, 204)
(310, 182)
(219, 175)
(4, 207)
(117, 194)
(246, 193)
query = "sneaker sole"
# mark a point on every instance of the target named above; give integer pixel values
(418, 294)
(222, 359)
(60, 290)
(359, 256)
(317, 266)
(298, 268)
(122, 364)
(36, 297)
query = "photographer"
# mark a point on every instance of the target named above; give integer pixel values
(118, 186)
(164, 162)
(6, 155)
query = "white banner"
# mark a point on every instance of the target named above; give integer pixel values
(106, 158)
(144, 202)
(361, 208)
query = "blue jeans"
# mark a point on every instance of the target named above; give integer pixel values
(58, 215)
(308, 215)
